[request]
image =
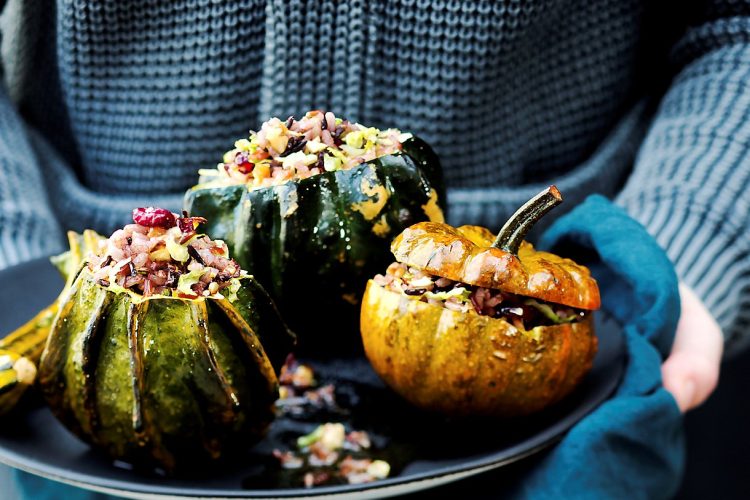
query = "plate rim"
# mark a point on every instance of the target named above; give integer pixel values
(391, 485)
(375, 489)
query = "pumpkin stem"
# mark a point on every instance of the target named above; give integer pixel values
(514, 231)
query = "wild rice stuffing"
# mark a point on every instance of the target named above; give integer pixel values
(296, 149)
(300, 393)
(329, 454)
(322, 452)
(524, 313)
(162, 254)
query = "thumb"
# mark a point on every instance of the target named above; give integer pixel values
(691, 371)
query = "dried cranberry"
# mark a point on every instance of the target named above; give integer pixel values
(244, 165)
(187, 225)
(154, 217)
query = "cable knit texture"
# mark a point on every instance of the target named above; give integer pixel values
(113, 104)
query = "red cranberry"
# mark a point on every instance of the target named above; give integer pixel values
(187, 225)
(244, 165)
(154, 217)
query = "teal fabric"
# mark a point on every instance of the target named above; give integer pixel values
(35, 488)
(632, 445)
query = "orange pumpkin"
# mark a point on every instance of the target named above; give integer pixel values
(466, 363)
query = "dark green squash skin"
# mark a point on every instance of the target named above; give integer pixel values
(166, 381)
(315, 242)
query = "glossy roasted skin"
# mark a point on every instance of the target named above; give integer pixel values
(466, 364)
(313, 243)
(465, 254)
(461, 361)
(163, 381)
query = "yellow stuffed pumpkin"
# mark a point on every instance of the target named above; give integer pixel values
(464, 323)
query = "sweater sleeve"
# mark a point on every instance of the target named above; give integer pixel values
(691, 183)
(28, 228)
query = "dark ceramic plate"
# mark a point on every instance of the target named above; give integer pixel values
(424, 451)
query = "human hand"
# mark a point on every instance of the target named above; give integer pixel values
(691, 371)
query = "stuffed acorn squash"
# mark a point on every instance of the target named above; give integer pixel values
(310, 206)
(163, 350)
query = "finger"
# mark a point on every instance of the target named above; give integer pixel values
(691, 371)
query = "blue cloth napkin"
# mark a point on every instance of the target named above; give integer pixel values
(632, 445)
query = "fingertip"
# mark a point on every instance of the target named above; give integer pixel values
(687, 397)
(690, 379)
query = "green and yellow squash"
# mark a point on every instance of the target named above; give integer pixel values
(163, 378)
(21, 349)
(314, 242)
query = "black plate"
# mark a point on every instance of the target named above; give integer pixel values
(424, 450)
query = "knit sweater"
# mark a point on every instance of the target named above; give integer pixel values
(113, 104)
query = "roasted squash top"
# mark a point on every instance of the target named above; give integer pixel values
(466, 254)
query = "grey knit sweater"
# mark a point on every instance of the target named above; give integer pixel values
(112, 104)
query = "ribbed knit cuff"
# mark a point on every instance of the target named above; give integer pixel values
(711, 254)
(28, 228)
(24, 235)
(77, 207)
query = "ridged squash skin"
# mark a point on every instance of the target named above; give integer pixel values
(163, 381)
(466, 364)
(21, 349)
(313, 243)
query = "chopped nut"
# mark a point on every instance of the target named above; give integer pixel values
(330, 436)
(333, 436)
(296, 374)
(379, 469)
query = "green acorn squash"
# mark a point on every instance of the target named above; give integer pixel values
(166, 376)
(161, 380)
(21, 349)
(314, 242)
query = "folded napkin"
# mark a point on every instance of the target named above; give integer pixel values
(632, 445)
